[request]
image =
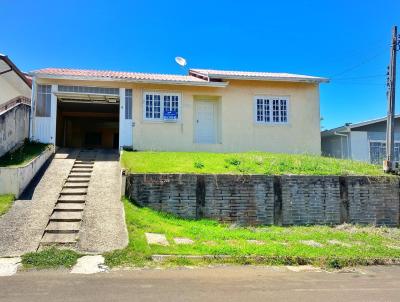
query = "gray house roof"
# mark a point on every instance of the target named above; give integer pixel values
(349, 126)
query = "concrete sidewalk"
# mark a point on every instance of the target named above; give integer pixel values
(242, 283)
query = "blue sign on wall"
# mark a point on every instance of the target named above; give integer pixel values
(170, 115)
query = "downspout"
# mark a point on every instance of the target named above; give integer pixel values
(347, 140)
(33, 101)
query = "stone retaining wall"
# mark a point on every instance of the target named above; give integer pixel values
(267, 200)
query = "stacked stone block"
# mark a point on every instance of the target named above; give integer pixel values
(267, 200)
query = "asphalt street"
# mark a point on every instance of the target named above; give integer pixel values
(246, 283)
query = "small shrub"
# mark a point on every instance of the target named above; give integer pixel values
(198, 165)
(233, 161)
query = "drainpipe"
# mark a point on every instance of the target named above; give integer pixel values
(31, 115)
(347, 140)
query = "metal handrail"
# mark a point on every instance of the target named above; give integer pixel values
(15, 101)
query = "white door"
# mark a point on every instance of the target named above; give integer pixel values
(205, 124)
(44, 127)
(125, 118)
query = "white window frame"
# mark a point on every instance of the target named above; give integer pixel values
(161, 94)
(43, 94)
(271, 99)
(128, 104)
(377, 141)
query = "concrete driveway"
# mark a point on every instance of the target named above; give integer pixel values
(205, 284)
(103, 224)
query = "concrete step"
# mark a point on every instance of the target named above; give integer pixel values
(82, 166)
(69, 206)
(74, 184)
(66, 216)
(73, 191)
(72, 199)
(63, 227)
(59, 238)
(77, 170)
(78, 179)
(81, 175)
(84, 162)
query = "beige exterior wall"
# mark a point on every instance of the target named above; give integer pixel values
(237, 128)
(12, 86)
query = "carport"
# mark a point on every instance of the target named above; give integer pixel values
(87, 117)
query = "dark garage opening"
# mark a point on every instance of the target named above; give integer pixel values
(87, 124)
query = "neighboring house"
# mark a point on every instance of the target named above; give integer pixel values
(363, 141)
(206, 110)
(13, 82)
(15, 93)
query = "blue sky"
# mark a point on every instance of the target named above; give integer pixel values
(347, 41)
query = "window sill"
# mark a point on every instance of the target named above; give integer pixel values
(160, 122)
(273, 124)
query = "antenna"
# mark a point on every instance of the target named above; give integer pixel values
(181, 61)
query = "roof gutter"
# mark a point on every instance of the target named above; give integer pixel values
(14, 68)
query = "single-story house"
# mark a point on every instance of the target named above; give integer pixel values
(205, 110)
(364, 141)
(15, 94)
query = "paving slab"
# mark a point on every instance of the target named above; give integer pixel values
(90, 265)
(304, 268)
(9, 266)
(180, 240)
(311, 243)
(337, 242)
(22, 227)
(254, 241)
(154, 238)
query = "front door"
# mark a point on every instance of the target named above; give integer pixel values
(125, 118)
(205, 130)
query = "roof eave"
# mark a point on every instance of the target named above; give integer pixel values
(103, 79)
(272, 79)
(14, 68)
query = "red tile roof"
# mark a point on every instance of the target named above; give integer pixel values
(121, 75)
(251, 75)
(195, 77)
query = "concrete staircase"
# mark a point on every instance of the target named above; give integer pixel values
(65, 221)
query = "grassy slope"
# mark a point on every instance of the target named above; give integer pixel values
(5, 203)
(22, 155)
(217, 239)
(243, 163)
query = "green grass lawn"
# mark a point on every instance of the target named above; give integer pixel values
(50, 258)
(5, 203)
(243, 163)
(22, 155)
(343, 246)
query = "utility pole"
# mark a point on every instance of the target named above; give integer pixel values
(389, 164)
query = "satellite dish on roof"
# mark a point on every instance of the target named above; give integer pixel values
(181, 61)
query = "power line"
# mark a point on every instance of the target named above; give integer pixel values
(361, 77)
(363, 62)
